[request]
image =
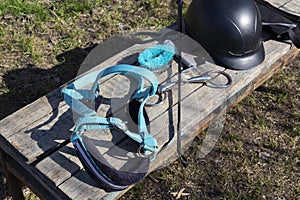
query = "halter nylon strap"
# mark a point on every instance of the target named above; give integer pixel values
(88, 120)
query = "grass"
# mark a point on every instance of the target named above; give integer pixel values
(41, 35)
(19, 8)
(43, 43)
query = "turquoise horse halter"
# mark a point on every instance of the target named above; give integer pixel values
(109, 178)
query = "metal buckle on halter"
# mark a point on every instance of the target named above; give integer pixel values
(144, 153)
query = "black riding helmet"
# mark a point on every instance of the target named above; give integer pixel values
(229, 30)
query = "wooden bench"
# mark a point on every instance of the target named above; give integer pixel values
(34, 141)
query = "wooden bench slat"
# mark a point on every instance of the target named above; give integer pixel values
(61, 165)
(278, 3)
(292, 6)
(82, 187)
(30, 113)
(43, 135)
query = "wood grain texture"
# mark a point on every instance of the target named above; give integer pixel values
(30, 113)
(292, 6)
(278, 3)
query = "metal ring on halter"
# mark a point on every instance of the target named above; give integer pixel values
(215, 85)
(161, 98)
(144, 155)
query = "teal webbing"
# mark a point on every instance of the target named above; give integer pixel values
(88, 120)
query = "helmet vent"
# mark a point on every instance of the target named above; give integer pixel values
(250, 45)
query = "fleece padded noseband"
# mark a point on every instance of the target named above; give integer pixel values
(123, 177)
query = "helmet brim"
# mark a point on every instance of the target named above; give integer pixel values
(241, 62)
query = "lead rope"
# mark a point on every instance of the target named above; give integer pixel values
(180, 28)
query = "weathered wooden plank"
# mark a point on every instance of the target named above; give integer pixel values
(72, 181)
(60, 165)
(274, 48)
(78, 175)
(81, 186)
(44, 134)
(278, 3)
(30, 113)
(292, 6)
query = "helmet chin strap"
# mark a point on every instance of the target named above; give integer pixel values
(180, 29)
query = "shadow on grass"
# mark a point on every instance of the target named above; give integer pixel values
(28, 84)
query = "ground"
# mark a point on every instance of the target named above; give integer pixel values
(42, 45)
